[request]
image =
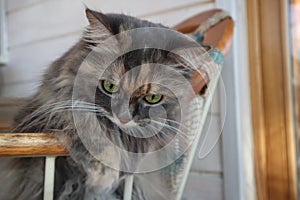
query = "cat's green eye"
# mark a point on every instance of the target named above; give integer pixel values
(153, 98)
(110, 87)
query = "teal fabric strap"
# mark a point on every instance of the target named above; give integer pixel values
(214, 53)
(198, 37)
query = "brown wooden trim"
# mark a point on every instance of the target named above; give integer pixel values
(257, 99)
(30, 144)
(271, 101)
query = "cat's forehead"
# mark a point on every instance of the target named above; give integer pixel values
(137, 77)
(145, 71)
(137, 65)
(133, 77)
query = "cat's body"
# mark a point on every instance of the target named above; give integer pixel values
(51, 110)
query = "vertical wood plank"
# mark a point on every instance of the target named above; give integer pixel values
(49, 177)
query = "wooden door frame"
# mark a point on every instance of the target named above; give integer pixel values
(272, 116)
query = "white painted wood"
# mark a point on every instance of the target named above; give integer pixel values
(45, 20)
(204, 187)
(3, 34)
(49, 177)
(133, 6)
(171, 18)
(128, 187)
(142, 8)
(28, 62)
(15, 5)
(56, 18)
(208, 155)
(239, 179)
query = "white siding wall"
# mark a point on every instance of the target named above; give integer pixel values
(39, 31)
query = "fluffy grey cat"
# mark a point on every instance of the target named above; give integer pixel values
(131, 104)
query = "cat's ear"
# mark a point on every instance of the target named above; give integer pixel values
(98, 24)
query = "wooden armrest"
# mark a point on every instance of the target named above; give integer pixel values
(30, 144)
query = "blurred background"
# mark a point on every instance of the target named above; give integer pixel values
(255, 106)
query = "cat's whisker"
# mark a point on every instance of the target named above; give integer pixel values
(159, 131)
(62, 106)
(65, 105)
(170, 136)
(157, 135)
(184, 136)
(168, 126)
(138, 132)
(176, 122)
(54, 105)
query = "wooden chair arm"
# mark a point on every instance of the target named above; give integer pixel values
(30, 144)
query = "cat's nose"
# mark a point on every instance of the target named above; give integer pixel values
(122, 113)
(124, 121)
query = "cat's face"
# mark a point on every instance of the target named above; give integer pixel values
(144, 87)
(134, 76)
(138, 99)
